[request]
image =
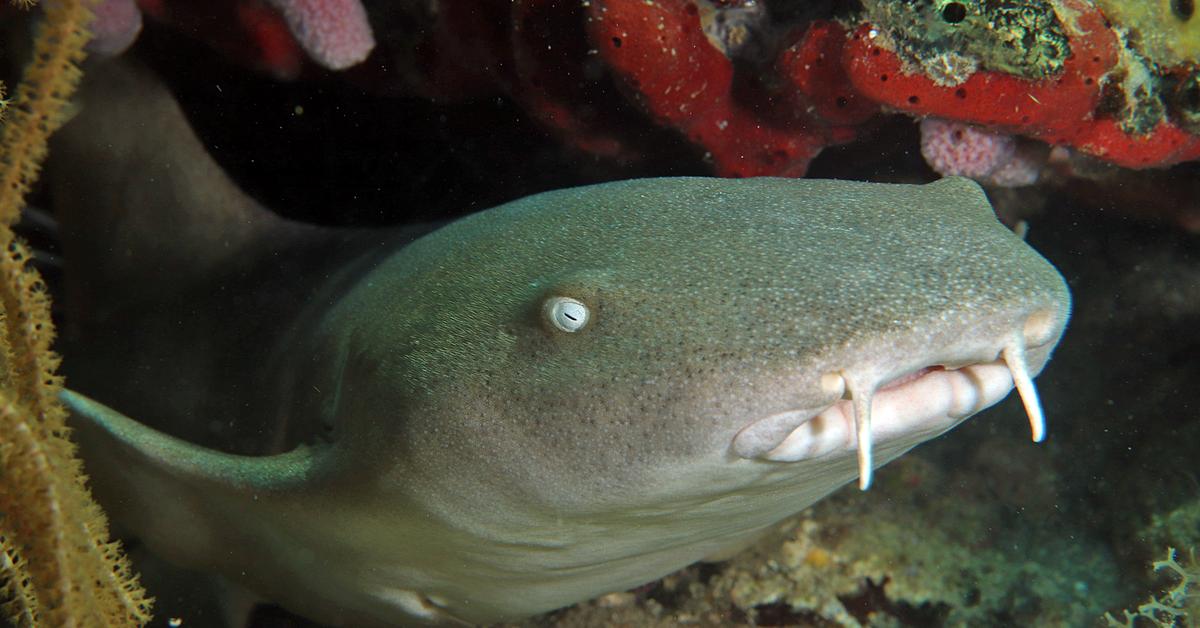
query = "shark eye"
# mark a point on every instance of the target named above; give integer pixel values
(567, 314)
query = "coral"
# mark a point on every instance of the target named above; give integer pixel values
(661, 55)
(735, 27)
(116, 25)
(749, 125)
(1102, 99)
(334, 33)
(812, 69)
(1167, 31)
(275, 36)
(854, 560)
(1179, 527)
(1174, 606)
(762, 97)
(1060, 111)
(948, 40)
(954, 148)
(57, 568)
(762, 88)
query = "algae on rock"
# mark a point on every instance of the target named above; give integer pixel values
(1167, 32)
(950, 40)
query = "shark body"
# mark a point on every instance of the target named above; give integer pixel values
(574, 393)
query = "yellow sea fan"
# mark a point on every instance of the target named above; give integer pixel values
(57, 567)
(17, 598)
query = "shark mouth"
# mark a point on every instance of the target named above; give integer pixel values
(905, 411)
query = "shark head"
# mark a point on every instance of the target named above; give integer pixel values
(596, 386)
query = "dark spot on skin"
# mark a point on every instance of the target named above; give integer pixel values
(841, 102)
(883, 78)
(954, 12)
(960, 92)
(1183, 9)
(912, 100)
(616, 42)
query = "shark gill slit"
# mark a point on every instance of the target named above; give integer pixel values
(1014, 358)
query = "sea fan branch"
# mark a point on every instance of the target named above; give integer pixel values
(58, 568)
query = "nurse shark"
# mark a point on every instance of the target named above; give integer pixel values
(574, 393)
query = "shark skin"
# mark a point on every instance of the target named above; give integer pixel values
(571, 394)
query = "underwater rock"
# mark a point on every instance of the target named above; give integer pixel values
(1179, 528)
(760, 87)
(1167, 32)
(942, 543)
(949, 40)
(664, 59)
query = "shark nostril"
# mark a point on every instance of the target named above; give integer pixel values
(1039, 328)
(833, 384)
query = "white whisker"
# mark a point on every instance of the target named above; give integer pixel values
(861, 400)
(1014, 357)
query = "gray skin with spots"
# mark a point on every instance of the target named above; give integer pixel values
(377, 430)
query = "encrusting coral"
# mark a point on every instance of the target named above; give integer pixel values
(57, 567)
(955, 148)
(1165, 30)
(1173, 607)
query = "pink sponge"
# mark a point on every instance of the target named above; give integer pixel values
(115, 27)
(956, 148)
(334, 33)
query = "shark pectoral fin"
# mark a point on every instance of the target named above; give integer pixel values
(181, 495)
(142, 446)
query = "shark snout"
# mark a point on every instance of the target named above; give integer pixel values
(877, 399)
